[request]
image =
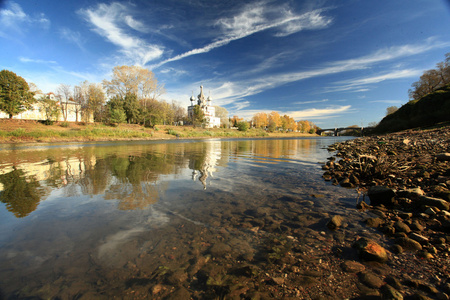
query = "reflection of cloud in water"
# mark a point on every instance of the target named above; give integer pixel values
(115, 247)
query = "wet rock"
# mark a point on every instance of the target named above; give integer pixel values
(362, 205)
(219, 249)
(381, 195)
(370, 250)
(335, 222)
(180, 293)
(408, 243)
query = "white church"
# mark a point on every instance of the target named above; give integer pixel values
(207, 108)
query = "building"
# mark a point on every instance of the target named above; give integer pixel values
(37, 111)
(207, 108)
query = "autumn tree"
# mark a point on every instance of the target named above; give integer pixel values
(15, 94)
(260, 120)
(235, 120)
(431, 80)
(391, 110)
(133, 80)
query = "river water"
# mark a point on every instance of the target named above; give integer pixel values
(93, 220)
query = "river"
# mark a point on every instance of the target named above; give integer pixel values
(133, 219)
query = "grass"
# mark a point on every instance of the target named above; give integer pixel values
(13, 131)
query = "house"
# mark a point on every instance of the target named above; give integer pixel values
(208, 110)
(37, 111)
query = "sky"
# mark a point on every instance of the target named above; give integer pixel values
(335, 63)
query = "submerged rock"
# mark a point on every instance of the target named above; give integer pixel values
(370, 250)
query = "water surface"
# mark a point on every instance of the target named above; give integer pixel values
(94, 220)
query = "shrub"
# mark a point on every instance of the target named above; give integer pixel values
(65, 124)
(242, 126)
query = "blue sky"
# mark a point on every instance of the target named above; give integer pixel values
(336, 63)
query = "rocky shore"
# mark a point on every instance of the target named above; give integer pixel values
(403, 184)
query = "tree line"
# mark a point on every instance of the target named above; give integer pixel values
(134, 97)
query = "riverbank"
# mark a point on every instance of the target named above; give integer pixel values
(22, 131)
(403, 180)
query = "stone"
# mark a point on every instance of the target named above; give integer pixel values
(350, 266)
(374, 222)
(443, 157)
(416, 226)
(335, 222)
(370, 279)
(419, 238)
(390, 293)
(219, 249)
(370, 250)
(380, 195)
(402, 227)
(439, 203)
(408, 244)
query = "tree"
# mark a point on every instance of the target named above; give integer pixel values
(64, 92)
(242, 126)
(235, 120)
(275, 118)
(131, 107)
(133, 80)
(15, 95)
(50, 109)
(391, 110)
(260, 120)
(199, 117)
(222, 113)
(431, 80)
(81, 98)
(96, 101)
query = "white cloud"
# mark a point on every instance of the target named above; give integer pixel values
(37, 61)
(311, 102)
(387, 101)
(71, 36)
(318, 113)
(114, 23)
(14, 18)
(359, 84)
(254, 19)
(299, 115)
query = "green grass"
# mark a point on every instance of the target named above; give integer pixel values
(91, 132)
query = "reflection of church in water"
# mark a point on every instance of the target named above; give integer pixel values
(208, 110)
(204, 165)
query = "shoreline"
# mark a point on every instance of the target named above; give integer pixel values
(403, 185)
(22, 131)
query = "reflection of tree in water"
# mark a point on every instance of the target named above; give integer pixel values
(136, 178)
(21, 194)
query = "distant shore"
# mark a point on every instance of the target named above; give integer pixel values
(24, 131)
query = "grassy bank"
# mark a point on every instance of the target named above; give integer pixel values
(18, 131)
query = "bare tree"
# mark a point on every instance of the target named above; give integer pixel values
(133, 80)
(64, 94)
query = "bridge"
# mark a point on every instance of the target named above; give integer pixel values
(337, 130)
